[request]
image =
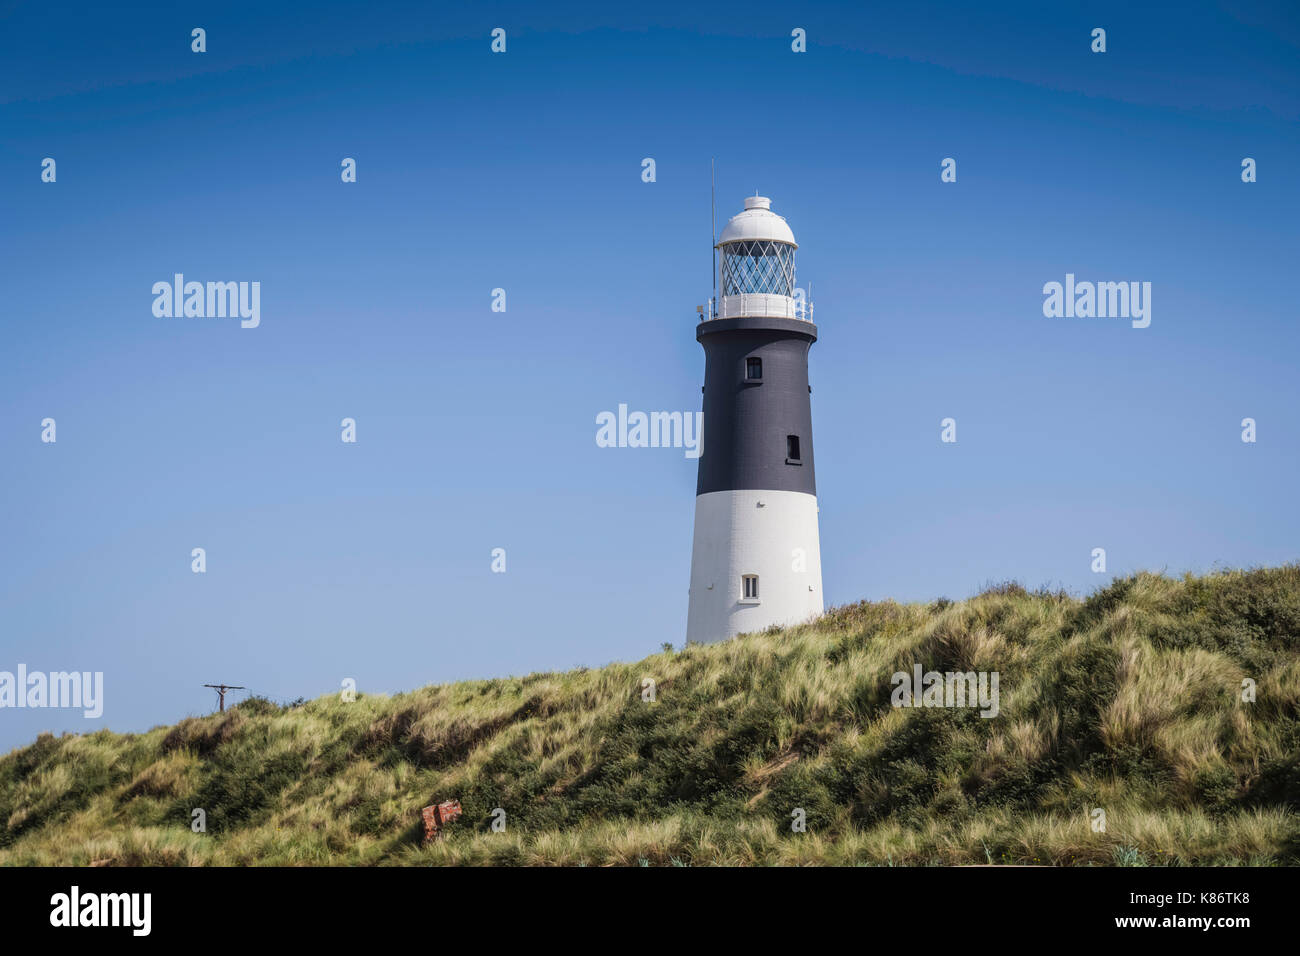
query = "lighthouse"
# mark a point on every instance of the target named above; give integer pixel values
(756, 557)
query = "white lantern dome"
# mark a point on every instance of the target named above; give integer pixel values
(757, 222)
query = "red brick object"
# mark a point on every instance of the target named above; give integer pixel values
(438, 815)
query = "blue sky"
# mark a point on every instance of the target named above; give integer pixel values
(476, 429)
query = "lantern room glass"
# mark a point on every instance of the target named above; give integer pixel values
(758, 266)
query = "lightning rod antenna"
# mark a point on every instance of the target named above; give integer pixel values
(713, 225)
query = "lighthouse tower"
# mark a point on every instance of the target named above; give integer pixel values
(756, 559)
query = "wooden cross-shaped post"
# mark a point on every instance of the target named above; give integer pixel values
(221, 692)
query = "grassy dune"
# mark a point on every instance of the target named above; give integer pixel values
(1129, 701)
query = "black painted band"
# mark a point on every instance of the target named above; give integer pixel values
(746, 423)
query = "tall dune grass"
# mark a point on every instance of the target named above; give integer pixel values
(1129, 701)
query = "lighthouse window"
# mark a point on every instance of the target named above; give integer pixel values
(749, 584)
(754, 369)
(791, 449)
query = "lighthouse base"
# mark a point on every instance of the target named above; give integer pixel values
(768, 534)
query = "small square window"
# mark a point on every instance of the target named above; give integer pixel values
(749, 585)
(792, 448)
(754, 369)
